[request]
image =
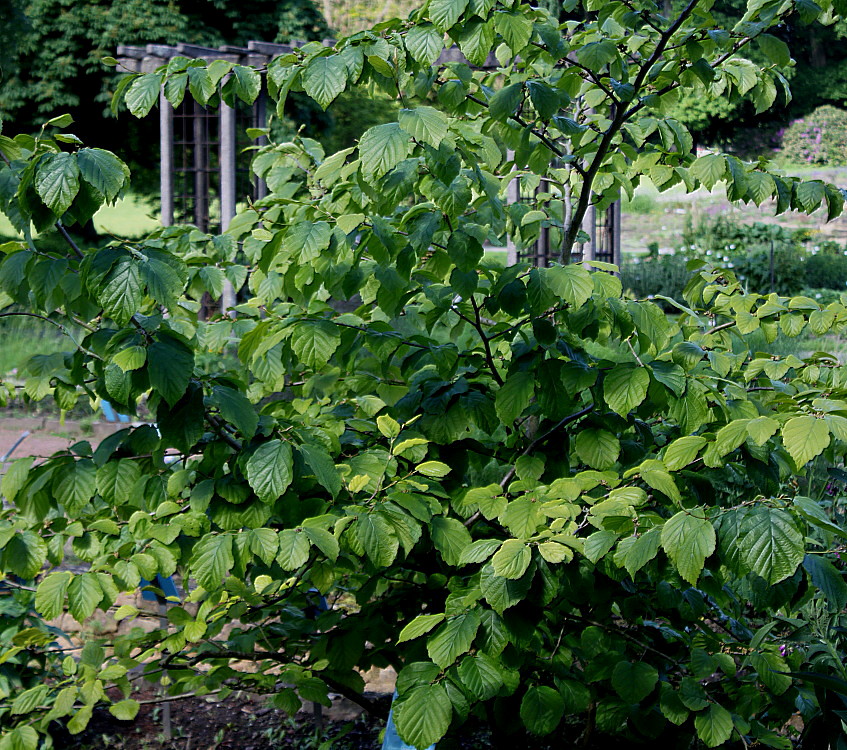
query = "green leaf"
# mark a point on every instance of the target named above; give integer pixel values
(236, 409)
(479, 674)
(143, 93)
(314, 342)
(308, 239)
(826, 577)
(515, 28)
(25, 554)
(505, 102)
(572, 284)
(79, 721)
(182, 424)
(709, 169)
(325, 78)
(74, 484)
(15, 478)
(634, 681)
(125, 710)
(170, 365)
(514, 396)
(424, 43)
(383, 147)
(248, 83)
(121, 292)
(293, 549)
(377, 538)
(688, 540)
(57, 181)
(597, 448)
(28, 700)
(320, 462)
(433, 469)
(771, 545)
(445, 13)
(323, 540)
(476, 40)
(269, 470)
(512, 559)
(804, 438)
(419, 626)
(264, 543)
(761, 428)
(453, 639)
(424, 124)
(682, 451)
(642, 550)
(212, 560)
(542, 708)
(103, 171)
(775, 49)
(714, 725)
(22, 737)
(502, 593)
(654, 474)
(50, 595)
(84, 594)
(423, 715)
(450, 538)
(595, 55)
(625, 387)
(672, 708)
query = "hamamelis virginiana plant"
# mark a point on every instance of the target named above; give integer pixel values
(529, 494)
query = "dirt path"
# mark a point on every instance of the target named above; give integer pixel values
(43, 436)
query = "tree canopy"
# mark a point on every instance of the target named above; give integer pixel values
(530, 494)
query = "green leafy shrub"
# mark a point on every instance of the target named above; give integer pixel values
(665, 275)
(531, 496)
(826, 270)
(818, 138)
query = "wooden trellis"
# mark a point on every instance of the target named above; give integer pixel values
(202, 180)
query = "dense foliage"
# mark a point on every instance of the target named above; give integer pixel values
(819, 138)
(529, 494)
(763, 256)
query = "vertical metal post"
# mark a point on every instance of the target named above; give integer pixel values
(592, 233)
(513, 195)
(261, 122)
(227, 188)
(200, 158)
(166, 160)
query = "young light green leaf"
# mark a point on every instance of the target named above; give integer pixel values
(421, 625)
(625, 387)
(689, 540)
(512, 559)
(804, 438)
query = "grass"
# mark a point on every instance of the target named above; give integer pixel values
(131, 216)
(22, 338)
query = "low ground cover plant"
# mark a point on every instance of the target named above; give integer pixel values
(531, 495)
